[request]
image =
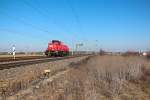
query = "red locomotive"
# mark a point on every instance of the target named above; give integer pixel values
(57, 48)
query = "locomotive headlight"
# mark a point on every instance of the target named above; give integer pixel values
(50, 46)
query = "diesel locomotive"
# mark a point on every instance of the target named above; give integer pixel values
(57, 48)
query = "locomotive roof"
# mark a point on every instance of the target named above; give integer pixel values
(54, 41)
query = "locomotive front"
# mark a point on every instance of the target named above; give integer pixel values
(57, 48)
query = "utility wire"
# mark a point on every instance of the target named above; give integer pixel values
(25, 23)
(75, 15)
(42, 12)
(16, 32)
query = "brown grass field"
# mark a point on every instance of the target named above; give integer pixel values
(96, 78)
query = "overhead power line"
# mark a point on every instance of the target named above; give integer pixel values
(75, 15)
(16, 32)
(25, 23)
(22, 34)
(42, 11)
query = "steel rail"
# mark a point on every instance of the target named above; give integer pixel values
(13, 64)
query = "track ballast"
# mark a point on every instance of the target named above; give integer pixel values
(13, 64)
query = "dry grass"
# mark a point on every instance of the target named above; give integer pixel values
(110, 74)
(98, 78)
(106, 77)
(20, 78)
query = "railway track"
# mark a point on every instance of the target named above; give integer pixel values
(10, 58)
(13, 64)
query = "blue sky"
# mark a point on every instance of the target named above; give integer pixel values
(113, 25)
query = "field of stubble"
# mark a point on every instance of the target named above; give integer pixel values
(95, 78)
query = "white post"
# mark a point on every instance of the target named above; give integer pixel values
(13, 48)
